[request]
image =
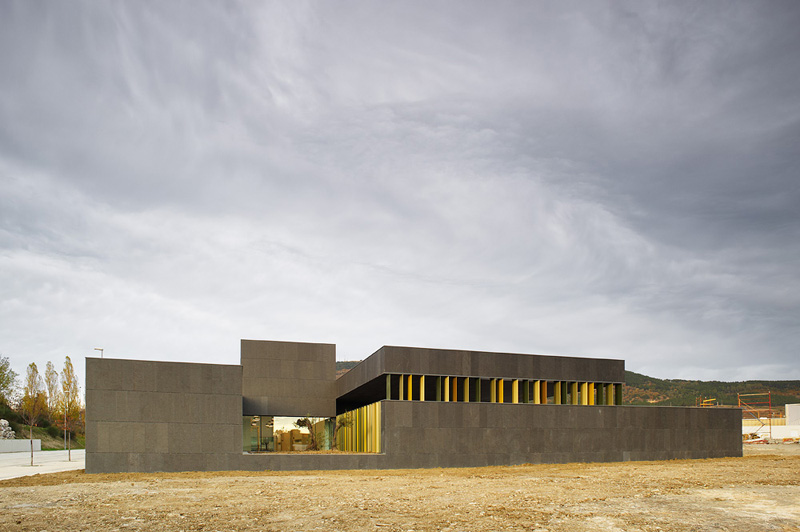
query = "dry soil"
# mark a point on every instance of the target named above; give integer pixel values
(758, 492)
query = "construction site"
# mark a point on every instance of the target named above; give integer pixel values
(762, 422)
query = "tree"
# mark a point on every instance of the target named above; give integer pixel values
(33, 401)
(340, 422)
(53, 392)
(8, 380)
(308, 423)
(70, 402)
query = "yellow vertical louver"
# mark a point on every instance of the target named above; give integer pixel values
(361, 431)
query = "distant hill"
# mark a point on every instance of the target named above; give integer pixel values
(344, 366)
(641, 389)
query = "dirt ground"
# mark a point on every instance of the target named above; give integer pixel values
(758, 492)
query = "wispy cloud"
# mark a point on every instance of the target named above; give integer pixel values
(614, 180)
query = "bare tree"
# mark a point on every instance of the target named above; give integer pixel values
(70, 402)
(340, 422)
(308, 423)
(53, 391)
(33, 401)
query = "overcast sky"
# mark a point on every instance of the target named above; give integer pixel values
(592, 179)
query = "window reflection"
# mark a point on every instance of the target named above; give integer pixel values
(285, 434)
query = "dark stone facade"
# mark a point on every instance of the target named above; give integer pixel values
(288, 378)
(165, 416)
(161, 416)
(365, 383)
(436, 434)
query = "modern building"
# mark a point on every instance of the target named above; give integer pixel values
(402, 407)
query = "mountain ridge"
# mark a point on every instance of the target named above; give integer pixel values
(643, 389)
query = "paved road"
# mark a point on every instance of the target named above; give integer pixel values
(14, 465)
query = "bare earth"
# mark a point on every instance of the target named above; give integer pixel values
(756, 493)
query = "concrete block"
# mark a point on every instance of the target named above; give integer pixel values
(526, 366)
(195, 408)
(91, 437)
(118, 438)
(195, 381)
(158, 406)
(226, 380)
(496, 459)
(110, 462)
(425, 414)
(395, 439)
(305, 369)
(142, 377)
(126, 406)
(609, 417)
(111, 375)
(444, 459)
(172, 377)
(103, 431)
(510, 415)
(101, 405)
(255, 406)
(176, 438)
(455, 413)
(157, 437)
(256, 386)
(399, 362)
(227, 409)
(557, 440)
(398, 413)
(471, 415)
(583, 417)
(94, 462)
(93, 404)
(232, 438)
(516, 441)
(423, 441)
(94, 373)
(494, 415)
(154, 462)
(136, 441)
(175, 461)
(423, 461)
(507, 365)
(548, 369)
(135, 462)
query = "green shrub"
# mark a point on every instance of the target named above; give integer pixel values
(7, 413)
(54, 431)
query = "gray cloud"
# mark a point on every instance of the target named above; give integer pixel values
(602, 180)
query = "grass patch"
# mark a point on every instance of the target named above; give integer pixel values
(50, 442)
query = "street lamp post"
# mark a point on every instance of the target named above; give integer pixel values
(99, 349)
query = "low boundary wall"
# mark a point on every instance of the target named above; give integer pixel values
(421, 434)
(19, 446)
(434, 434)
